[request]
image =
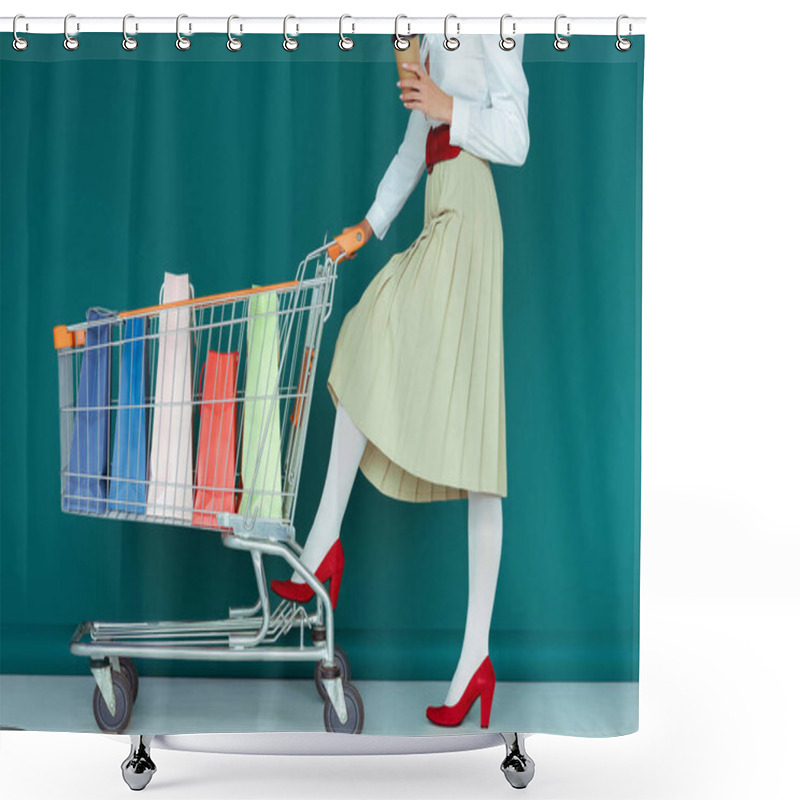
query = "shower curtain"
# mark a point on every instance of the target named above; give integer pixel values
(230, 167)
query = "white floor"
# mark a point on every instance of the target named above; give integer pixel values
(209, 705)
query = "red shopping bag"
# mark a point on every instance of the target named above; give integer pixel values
(216, 447)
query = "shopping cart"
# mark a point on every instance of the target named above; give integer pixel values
(194, 413)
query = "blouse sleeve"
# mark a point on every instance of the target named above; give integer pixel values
(498, 133)
(401, 177)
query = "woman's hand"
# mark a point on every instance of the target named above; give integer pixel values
(366, 227)
(423, 94)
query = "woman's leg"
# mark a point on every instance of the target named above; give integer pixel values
(347, 448)
(485, 532)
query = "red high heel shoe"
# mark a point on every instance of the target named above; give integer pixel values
(331, 567)
(481, 684)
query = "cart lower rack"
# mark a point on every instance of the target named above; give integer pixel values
(194, 413)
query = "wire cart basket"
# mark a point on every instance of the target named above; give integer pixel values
(194, 413)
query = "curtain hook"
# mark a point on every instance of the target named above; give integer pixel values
(70, 42)
(18, 43)
(181, 42)
(400, 42)
(560, 42)
(623, 44)
(345, 42)
(233, 44)
(506, 42)
(451, 42)
(290, 44)
(128, 42)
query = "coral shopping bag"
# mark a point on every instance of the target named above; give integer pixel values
(127, 489)
(216, 446)
(87, 481)
(169, 493)
(261, 434)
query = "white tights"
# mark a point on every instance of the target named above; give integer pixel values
(347, 448)
(485, 537)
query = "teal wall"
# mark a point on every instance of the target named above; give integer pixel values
(118, 166)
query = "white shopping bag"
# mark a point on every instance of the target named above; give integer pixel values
(169, 493)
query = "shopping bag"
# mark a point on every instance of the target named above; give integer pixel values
(127, 486)
(169, 492)
(216, 445)
(86, 486)
(261, 426)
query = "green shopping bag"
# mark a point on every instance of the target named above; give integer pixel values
(261, 476)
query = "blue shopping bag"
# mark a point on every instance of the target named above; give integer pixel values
(127, 487)
(86, 484)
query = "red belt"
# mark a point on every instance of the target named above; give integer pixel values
(438, 147)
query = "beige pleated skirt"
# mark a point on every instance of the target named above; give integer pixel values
(418, 363)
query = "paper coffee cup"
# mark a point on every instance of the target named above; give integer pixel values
(408, 56)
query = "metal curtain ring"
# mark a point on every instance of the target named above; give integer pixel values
(623, 44)
(400, 42)
(233, 44)
(181, 42)
(290, 44)
(18, 43)
(506, 42)
(451, 42)
(345, 42)
(560, 42)
(70, 42)
(128, 42)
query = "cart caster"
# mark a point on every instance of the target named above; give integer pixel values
(138, 768)
(355, 712)
(127, 667)
(123, 700)
(340, 659)
(517, 766)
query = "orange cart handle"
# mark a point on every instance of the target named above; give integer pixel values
(62, 337)
(198, 301)
(348, 242)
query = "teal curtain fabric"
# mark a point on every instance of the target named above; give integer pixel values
(118, 166)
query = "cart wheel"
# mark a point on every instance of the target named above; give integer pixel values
(355, 712)
(340, 659)
(127, 667)
(116, 722)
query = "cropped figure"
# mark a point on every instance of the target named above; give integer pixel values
(417, 374)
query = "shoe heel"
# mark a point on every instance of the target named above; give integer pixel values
(487, 695)
(336, 582)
